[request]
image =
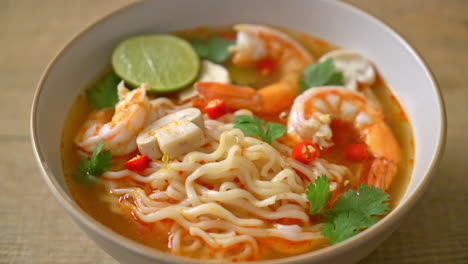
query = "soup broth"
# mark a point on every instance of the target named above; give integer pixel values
(108, 210)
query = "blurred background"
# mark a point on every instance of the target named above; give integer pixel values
(35, 229)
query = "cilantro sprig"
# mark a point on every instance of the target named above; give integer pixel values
(88, 171)
(355, 211)
(320, 74)
(351, 213)
(252, 125)
(318, 194)
(104, 94)
(214, 49)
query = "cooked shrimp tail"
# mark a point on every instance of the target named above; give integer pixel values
(236, 97)
(119, 130)
(381, 173)
(255, 43)
(270, 99)
(313, 111)
(384, 146)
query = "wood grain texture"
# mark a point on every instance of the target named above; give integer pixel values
(35, 229)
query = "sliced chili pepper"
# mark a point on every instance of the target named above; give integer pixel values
(305, 151)
(216, 108)
(356, 152)
(228, 35)
(266, 66)
(138, 163)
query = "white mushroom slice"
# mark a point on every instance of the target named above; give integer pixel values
(179, 137)
(243, 112)
(191, 114)
(355, 67)
(148, 144)
(249, 45)
(210, 72)
(187, 94)
(148, 141)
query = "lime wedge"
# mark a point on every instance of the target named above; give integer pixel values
(165, 62)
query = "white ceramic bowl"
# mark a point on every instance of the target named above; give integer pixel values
(89, 52)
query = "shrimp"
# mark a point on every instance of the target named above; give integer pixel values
(313, 111)
(118, 130)
(253, 44)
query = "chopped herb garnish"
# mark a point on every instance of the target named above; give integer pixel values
(252, 125)
(273, 131)
(351, 213)
(318, 194)
(343, 226)
(89, 171)
(320, 74)
(214, 49)
(104, 94)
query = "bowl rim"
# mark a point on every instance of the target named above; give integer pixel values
(110, 235)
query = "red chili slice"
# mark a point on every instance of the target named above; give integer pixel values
(138, 163)
(305, 151)
(228, 35)
(216, 108)
(266, 66)
(356, 152)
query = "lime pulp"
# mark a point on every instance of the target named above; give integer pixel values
(167, 63)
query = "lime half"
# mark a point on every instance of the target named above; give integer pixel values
(165, 62)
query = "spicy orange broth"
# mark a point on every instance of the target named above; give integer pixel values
(90, 199)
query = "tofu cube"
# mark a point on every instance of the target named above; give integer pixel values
(179, 137)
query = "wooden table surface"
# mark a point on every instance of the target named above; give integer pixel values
(35, 229)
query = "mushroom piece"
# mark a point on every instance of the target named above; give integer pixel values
(355, 67)
(209, 72)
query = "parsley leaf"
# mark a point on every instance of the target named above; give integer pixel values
(318, 194)
(252, 125)
(104, 94)
(320, 74)
(214, 49)
(354, 211)
(89, 171)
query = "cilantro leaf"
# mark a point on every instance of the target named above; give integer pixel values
(320, 74)
(302, 84)
(82, 175)
(252, 125)
(100, 162)
(367, 201)
(354, 211)
(274, 131)
(104, 94)
(251, 129)
(351, 213)
(245, 119)
(344, 226)
(89, 171)
(214, 49)
(335, 79)
(201, 48)
(318, 194)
